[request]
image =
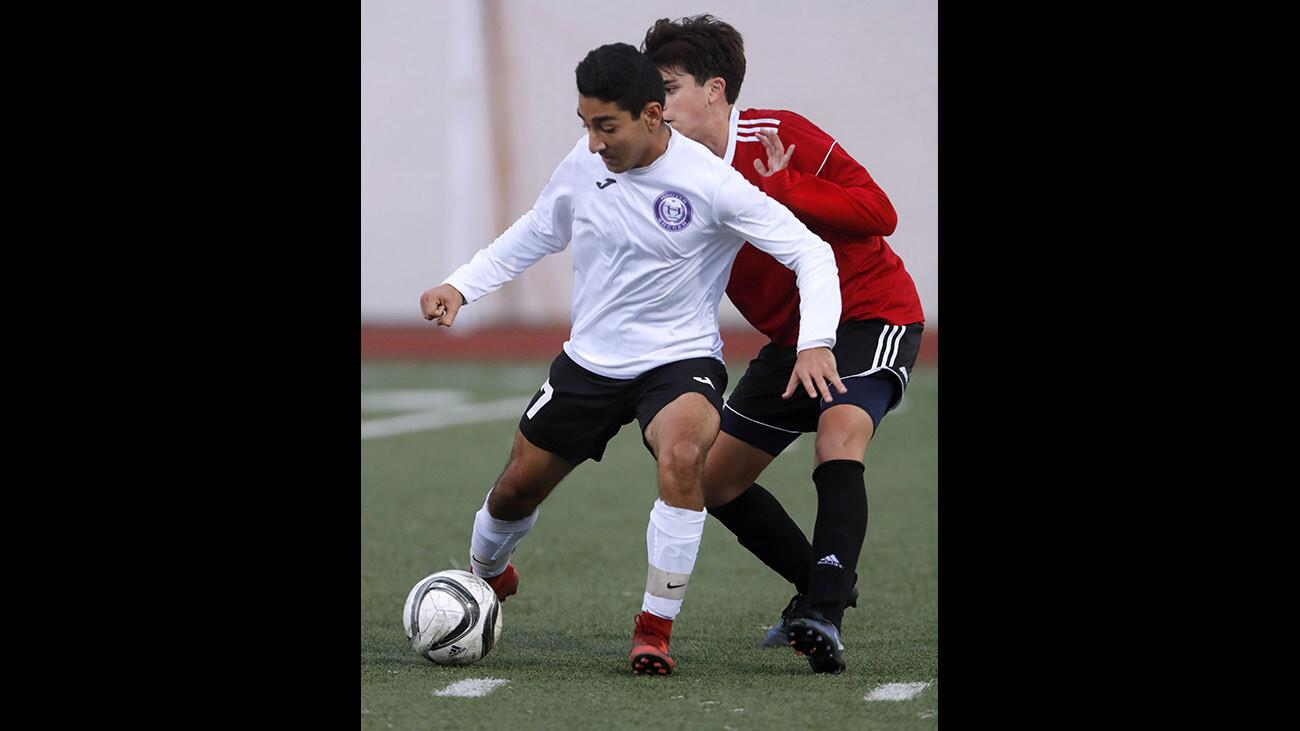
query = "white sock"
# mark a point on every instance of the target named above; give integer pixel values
(494, 540)
(672, 541)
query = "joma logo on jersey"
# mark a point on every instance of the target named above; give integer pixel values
(673, 211)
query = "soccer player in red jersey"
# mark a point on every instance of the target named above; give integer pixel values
(702, 60)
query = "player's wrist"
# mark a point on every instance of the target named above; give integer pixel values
(463, 299)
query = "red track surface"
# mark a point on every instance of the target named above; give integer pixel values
(530, 343)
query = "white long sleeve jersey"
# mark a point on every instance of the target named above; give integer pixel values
(652, 252)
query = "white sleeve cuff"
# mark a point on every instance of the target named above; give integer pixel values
(818, 343)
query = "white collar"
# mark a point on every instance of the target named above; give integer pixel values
(731, 135)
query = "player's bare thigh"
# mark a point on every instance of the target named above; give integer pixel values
(680, 435)
(529, 476)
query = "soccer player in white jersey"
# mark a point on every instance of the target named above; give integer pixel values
(655, 220)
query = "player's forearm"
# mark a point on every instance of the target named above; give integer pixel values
(862, 209)
(816, 276)
(818, 281)
(481, 276)
(518, 248)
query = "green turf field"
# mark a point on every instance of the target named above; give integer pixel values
(566, 635)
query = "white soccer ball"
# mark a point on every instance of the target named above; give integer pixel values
(452, 618)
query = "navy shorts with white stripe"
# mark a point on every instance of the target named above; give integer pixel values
(874, 359)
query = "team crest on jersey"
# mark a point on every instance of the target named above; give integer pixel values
(673, 211)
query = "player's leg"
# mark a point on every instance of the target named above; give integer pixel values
(680, 436)
(510, 510)
(730, 468)
(843, 433)
(756, 426)
(873, 358)
(748, 510)
(528, 478)
(679, 410)
(814, 629)
(569, 420)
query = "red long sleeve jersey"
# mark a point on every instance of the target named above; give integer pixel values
(837, 199)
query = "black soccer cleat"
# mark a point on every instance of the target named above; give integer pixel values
(776, 633)
(817, 639)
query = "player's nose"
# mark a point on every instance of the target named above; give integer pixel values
(593, 143)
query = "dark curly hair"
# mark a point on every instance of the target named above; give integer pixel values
(702, 46)
(619, 73)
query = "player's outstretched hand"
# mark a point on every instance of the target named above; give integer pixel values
(777, 156)
(815, 369)
(441, 303)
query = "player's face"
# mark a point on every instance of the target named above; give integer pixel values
(621, 140)
(687, 104)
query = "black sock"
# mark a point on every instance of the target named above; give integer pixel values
(764, 528)
(837, 538)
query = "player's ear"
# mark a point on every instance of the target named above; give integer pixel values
(717, 90)
(652, 115)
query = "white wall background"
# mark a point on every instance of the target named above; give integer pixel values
(457, 139)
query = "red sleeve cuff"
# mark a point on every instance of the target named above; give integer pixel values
(778, 184)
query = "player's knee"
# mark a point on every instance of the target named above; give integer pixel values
(682, 457)
(843, 439)
(838, 440)
(840, 448)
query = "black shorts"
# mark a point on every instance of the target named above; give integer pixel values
(873, 359)
(577, 412)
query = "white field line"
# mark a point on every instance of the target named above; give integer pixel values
(472, 413)
(896, 691)
(470, 688)
(410, 399)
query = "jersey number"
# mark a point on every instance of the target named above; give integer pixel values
(547, 393)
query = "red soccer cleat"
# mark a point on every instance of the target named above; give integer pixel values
(650, 645)
(504, 583)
